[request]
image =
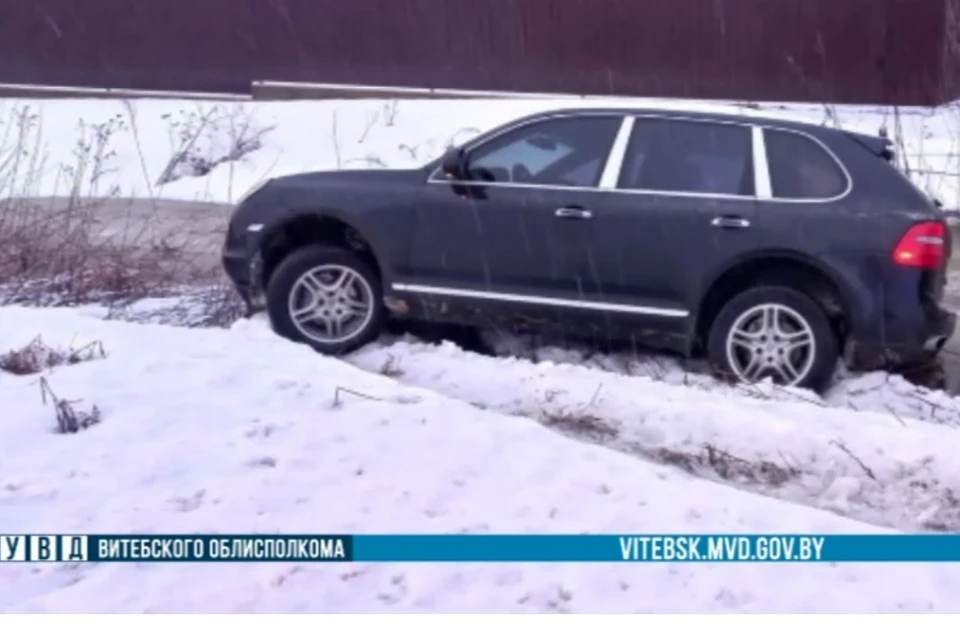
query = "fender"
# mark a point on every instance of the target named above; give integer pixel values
(847, 295)
(364, 227)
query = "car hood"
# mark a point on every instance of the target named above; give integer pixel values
(355, 190)
(354, 177)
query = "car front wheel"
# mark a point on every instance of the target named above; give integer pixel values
(325, 297)
(777, 333)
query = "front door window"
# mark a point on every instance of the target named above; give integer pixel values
(559, 151)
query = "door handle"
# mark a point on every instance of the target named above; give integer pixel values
(573, 212)
(730, 222)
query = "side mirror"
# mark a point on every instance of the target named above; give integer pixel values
(452, 163)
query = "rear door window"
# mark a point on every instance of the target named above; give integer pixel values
(801, 169)
(681, 156)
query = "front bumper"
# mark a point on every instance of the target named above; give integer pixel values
(243, 264)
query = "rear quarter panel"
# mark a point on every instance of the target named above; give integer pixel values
(854, 237)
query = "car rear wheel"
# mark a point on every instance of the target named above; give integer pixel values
(774, 332)
(325, 297)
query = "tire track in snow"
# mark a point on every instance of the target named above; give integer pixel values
(875, 391)
(875, 467)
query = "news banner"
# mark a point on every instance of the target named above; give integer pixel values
(480, 548)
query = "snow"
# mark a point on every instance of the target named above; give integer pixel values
(210, 430)
(125, 147)
(875, 464)
(239, 431)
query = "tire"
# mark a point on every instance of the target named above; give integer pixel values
(291, 286)
(738, 325)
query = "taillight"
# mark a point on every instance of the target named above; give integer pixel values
(922, 246)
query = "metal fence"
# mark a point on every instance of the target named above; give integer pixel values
(867, 51)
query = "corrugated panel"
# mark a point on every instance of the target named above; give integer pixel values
(817, 50)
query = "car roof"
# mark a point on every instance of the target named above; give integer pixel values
(717, 116)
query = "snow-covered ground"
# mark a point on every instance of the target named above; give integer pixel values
(870, 464)
(236, 431)
(862, 450)
(239, 431)
(127, 147)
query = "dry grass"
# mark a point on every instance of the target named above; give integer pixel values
(58, 255)
(36, 357)
(581, 425)
(69, 419)
(189, 129)
(391, 367)
(89, 246)
(708, 461)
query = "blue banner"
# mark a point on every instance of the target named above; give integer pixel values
(480, 548)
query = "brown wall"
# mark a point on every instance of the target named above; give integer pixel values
(877, 51)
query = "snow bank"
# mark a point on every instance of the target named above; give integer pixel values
(129, 147)
(875, 466)
(876, 391)
(239, 431)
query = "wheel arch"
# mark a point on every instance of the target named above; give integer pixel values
(783, 267)
(297, 229)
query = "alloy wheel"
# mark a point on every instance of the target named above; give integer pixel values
(771, 340)
(331, 304)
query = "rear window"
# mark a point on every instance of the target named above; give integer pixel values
(801, 169)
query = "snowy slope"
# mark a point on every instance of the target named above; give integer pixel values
(124, 147)
(873, 465)
(238, 431)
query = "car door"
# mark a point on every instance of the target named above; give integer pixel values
(490, 240)
(684, 204)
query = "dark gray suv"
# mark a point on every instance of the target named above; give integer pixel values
(770, 247)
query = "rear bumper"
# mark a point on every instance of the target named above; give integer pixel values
(906, 347)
